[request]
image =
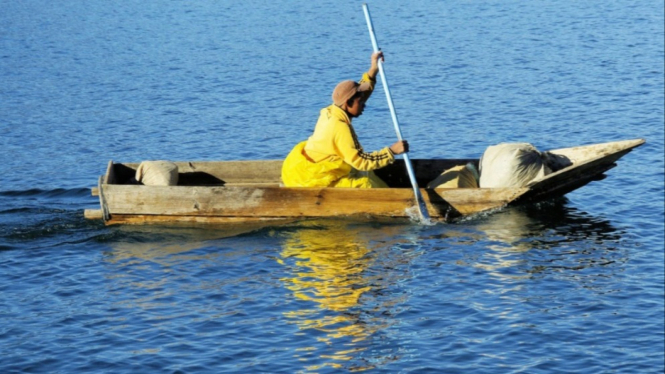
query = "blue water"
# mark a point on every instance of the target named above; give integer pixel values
(572, 285)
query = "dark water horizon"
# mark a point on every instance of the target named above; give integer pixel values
(572, 285)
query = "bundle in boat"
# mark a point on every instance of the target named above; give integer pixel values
(157, 173)
(517, 165)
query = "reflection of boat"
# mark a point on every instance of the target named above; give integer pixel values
(538, 238)
(152, 243)
(511, 230)
(249, 191)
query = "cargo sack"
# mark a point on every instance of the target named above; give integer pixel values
(511, 165)
(462, 176)
(157, 173)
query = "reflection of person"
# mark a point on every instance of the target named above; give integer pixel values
(338, 290)
(332, 156)
(330, 280)
(331, 275)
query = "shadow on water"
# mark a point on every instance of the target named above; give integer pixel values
(151, 242)
(523, 241)
(542, 222)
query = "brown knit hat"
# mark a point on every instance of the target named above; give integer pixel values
(346, 89)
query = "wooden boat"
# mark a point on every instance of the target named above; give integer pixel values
(250, 191)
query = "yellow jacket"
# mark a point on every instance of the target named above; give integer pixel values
(334, 138)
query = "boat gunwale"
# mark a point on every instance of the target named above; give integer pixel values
(633, 143)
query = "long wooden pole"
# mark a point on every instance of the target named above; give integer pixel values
(422, 209)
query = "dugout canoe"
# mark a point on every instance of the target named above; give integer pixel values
(250, 191)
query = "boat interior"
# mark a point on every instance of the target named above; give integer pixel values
(268, 173)
(587, 162)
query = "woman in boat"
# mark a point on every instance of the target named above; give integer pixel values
(333, 156)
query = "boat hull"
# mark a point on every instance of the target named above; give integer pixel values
(249, 191)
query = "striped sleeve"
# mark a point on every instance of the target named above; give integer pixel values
(353, 152)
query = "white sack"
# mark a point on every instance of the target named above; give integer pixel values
(461, 176)
(157, 173)
(511, 165)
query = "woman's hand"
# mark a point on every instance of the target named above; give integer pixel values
(400, 147)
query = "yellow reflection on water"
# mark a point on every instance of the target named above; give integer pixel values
(329, 273)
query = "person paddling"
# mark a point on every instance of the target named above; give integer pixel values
(333, 156)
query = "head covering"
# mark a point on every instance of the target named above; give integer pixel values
(346, 89)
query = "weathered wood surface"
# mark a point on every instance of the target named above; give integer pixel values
(589, 164)
(473, 200)
(255, 201)
(591, 152)
(110, 175)
(93, 214)
(275, 202)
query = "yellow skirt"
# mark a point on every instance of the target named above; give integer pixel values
(299, 170)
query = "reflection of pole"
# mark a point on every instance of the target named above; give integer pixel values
(419, 199)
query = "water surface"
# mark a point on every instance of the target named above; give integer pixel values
(572, 285)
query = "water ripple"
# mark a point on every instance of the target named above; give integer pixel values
(564, 286)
